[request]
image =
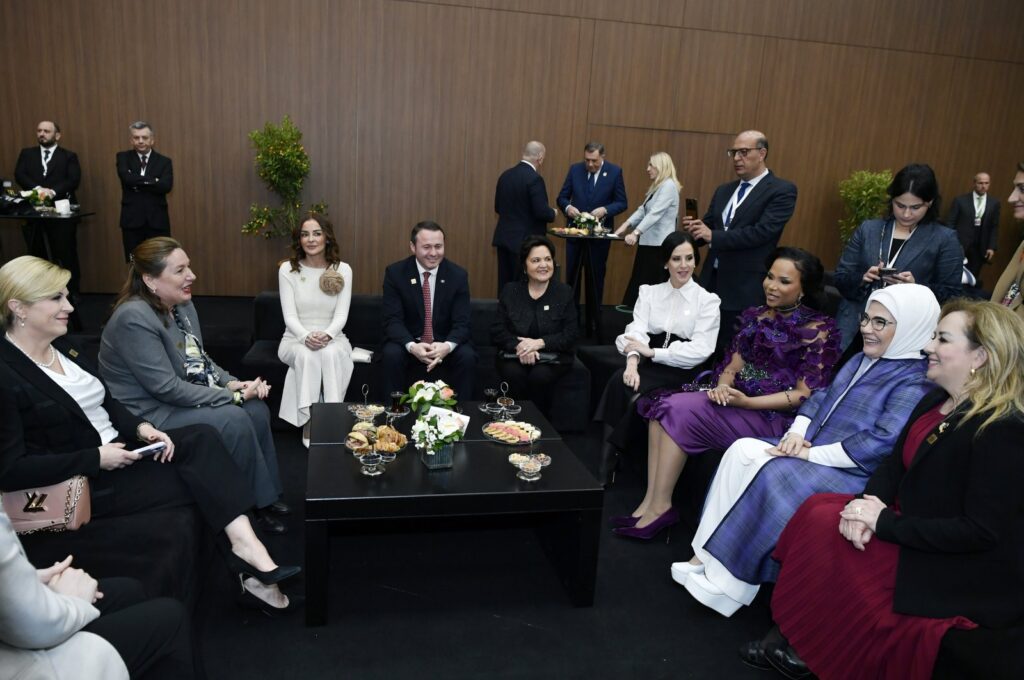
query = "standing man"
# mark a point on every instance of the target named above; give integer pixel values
(426, 317)
(975, 217)
(52, 171)
(146, 179)
(521, 201)
(741, 228)
(596, 187)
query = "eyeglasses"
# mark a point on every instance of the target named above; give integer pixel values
(742, 153)
(877, 322)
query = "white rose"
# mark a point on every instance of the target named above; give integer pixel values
(426, 393)
(449, 426)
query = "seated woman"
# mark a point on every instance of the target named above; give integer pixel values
(152, 360)
(1008, 289)
(651, 222)
(934, 543)
(316, 291)
(673, 331)
(535, 330)
(782, 352)
(839, 437)
(909, 245)
(60, 421)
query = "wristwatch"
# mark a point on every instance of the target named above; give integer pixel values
(238, 398)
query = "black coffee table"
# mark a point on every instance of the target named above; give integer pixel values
(564, 506)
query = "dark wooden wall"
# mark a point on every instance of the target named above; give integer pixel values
(411, 109)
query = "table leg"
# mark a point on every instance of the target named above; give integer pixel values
(571, 542)
(318, 565)
(593, 311)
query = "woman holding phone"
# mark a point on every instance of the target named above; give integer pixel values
(908, 245)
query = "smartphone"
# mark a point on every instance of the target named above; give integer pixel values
(690, 209)
(150, 450)
(887, 271)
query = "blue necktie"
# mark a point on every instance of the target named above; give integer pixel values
(743, 190)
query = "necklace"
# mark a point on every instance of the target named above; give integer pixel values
(53, 353)
(787, 310)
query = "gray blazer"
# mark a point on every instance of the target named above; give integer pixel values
(40, 634)
(143, 363)
(656, 217)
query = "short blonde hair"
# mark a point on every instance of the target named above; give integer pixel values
(662, 162)
(28, 280)
(997, 388)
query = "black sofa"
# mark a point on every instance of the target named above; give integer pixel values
(363, 329)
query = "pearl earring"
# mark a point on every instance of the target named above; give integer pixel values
(21, 320)
(973, 370)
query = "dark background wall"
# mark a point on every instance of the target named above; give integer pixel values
(411, 109)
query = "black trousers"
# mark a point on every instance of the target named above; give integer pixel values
(62, 237)
(399, 369)
(133, 237)
(648, 270)
(201, 472)
(152, 636)
(509, 268)
(536, 382)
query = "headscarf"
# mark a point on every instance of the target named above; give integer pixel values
(916, 312)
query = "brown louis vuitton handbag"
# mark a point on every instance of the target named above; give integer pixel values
(64, 506)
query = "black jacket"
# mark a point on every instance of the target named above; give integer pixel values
(63, 173)
(555, 312)
(521, 201)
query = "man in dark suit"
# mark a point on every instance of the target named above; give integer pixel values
(975, 217)
(521, 201)
(741, 228)
(146, 179)
(426, 317)
(53, 171)
(596, 187)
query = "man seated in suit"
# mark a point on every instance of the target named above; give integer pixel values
(426, 316)
(54, 172)
(741, 228)
(146, 179)
(975, 218)
(521, 201)
(596, 187)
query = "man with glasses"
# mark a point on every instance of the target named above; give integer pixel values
(741, 227)
(975, 217)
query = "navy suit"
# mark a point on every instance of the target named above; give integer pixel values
(63, 175)
(521, 201)
(609, 192)
(144, 197)
(403, 316)
(975, 240)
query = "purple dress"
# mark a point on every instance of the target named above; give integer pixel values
(778, 350)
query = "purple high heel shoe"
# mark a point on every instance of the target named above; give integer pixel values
(623, 520)
(664, 521)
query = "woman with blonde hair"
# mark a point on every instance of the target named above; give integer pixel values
(316, 291)
(652, 222)
(946, 508)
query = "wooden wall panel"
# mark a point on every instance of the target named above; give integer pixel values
(411, 109)
(672, 79)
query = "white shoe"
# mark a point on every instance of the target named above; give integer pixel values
(682, 570)
(710, 595)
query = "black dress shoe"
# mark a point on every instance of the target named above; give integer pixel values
(269, 524)
(267, 578)
(783, 658)
(752, 654)
(278, 508)
(249, 601)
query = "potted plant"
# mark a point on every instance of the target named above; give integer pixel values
(435, 434)
(864, 197)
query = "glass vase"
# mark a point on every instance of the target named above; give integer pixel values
(441, 459)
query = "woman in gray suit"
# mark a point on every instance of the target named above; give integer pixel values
(152, 359)
(908, 245)
(652, 222)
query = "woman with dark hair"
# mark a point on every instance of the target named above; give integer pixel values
(1008, 289)
(908, 245)
(781, 353)
(316, 291)
(153, 361)
(535, 330)
(673, 331)
(935, 541)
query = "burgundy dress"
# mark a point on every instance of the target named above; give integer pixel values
(851, 631)
(777, 350)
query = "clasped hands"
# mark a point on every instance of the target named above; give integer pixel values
(430, 353)
(528, 350)
(726, 395)
(317, 340)
(631, 377)
(859, 520)
(62, 578)
(791, 445)
(251, 389)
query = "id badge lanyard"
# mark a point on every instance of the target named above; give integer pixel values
(882, 253)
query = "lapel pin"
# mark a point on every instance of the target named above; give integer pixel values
(932, 439)
(547, 307)
(412, 281)
(604, 174)
(942, 427)
(72, 353)
(442, 280)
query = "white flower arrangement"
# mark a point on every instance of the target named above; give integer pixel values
(432, 431)
(422, 395)
(587, 222)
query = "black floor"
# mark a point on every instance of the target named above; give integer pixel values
(471, 603)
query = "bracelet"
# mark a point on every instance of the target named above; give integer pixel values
(238, 398)
(788, 399)
(138, 428)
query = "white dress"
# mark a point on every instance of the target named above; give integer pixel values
(306, 308)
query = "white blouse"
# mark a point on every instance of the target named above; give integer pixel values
(686, 312)
(88, 392)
